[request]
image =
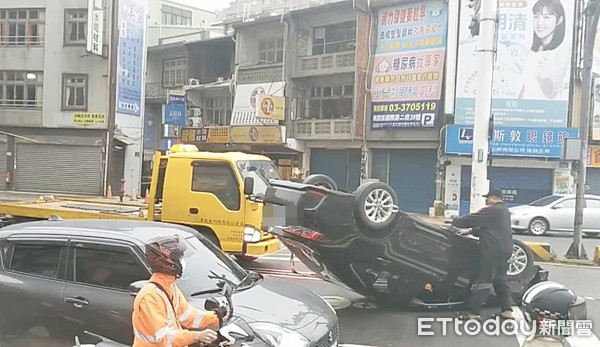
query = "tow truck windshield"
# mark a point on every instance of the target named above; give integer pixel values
(261, 170)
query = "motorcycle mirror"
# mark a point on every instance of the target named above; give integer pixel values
(211, 304)
(135, 287)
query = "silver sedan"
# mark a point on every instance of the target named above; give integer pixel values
(556, 213)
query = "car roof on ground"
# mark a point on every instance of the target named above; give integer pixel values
(140, 230)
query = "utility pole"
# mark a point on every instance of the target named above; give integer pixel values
(112, 92)
(484, 25)
(577, 250)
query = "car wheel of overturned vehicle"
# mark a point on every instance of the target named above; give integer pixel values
(521, 260)
(538, 226)
(376, 205)
(320, 180)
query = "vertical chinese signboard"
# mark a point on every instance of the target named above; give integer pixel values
(596, 109)
(132, 34)
(409, 65)
(533, 64)
(175, 110)
(95, 27)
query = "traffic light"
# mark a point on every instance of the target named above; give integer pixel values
(475, 5)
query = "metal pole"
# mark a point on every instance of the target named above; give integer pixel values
(112, 94)
(483, 103)
(577, 250)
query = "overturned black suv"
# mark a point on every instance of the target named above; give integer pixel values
(364, 241)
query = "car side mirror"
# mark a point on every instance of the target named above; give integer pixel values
(135, 287)
(211, 304)
(248, 186)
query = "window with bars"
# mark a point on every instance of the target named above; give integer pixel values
(21, 88)
(176, 16)
(217, 111)
(330, 102)
(75, 27)
(75, 92)
(22, 27)
(334, 38)
(174, 72)
(270, 50)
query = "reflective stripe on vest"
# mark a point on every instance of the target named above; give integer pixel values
(170, 331)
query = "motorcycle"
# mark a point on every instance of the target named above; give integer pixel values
(232, 331)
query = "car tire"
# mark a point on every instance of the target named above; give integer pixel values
(521, 261)
(376, 205)
(538, 226)
(321, 181)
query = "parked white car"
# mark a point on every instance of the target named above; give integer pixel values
(556, 213)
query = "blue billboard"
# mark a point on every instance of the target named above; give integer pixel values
(512, 141)
(130, 56)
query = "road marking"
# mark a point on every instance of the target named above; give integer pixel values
(518, 314)
(569, 265)
(582, 341)
(268, 257)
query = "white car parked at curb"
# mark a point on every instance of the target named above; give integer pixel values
(556, 213)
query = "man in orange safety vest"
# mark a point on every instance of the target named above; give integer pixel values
(161, 314)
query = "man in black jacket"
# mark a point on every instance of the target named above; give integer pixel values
(495, 249)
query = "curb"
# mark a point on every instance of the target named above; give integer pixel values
(541, 251)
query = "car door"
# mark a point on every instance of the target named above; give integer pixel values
(216, 200)
(30, 289)
(96, 296)
(591, 214)
(562, 216)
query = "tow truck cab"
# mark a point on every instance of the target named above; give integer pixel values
(214, 193)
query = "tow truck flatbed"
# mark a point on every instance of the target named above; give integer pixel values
(72, 208)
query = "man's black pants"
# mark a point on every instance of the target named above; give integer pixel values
(492, 273)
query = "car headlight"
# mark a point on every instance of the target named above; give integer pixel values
(251, 234)
(279, 336)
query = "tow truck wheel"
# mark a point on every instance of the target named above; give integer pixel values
(376, 205)
(321, 181)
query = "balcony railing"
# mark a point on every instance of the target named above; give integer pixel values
(21, 41)
(156, 91)
(21, 104)
(260, 73)
(326, 64)
(330, 129)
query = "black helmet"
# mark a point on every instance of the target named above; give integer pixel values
(165, 254)
(552, 301)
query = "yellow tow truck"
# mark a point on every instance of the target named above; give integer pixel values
(214, 193)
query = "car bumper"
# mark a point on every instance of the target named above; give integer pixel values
(520, 222)
(260, 248)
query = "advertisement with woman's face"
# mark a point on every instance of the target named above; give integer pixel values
(533, 63)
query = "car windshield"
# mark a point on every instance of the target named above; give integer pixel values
(203, 264)
(547, 200)
(261, 170)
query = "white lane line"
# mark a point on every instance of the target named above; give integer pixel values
(582, 341)
(518, 314)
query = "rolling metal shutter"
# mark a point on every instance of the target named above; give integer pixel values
(412, 174)
(343, 166)
(522, 185)
(592, 181)
(59, 169)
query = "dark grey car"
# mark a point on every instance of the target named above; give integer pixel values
(59, 278)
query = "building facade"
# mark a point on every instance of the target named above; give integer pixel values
(252, 8)
(49, 89)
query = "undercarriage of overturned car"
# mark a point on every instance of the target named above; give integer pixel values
(365, 242)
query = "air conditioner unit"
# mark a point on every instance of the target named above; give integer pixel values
(194, 82)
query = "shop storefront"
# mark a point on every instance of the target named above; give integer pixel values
(524, 169)
(411, 173)
(342, 165)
